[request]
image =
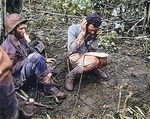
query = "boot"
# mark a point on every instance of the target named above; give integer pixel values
(27, 108)
(102, 75)
(54, 90)
(70, 77)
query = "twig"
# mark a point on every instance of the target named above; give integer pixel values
(125, 103)
(135, 25)
(106, 5)
(51, 96)
(77, 95)
(35, 103)
(60, 71)
(78, 88)
(54, 79)
(29, 6)
(120, 89)
(139, 37)
(24, 94)
(59, 14)
(41, 4)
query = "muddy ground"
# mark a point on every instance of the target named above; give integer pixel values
(96, 99)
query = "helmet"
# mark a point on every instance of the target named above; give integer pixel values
(12, 20)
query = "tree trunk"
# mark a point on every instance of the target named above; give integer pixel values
(2, 15)
(146, 25)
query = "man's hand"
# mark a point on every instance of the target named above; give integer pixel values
(83, 26)
(83, 30)
(27, 37)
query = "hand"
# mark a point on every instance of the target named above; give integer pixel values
(27, 37)
(83, 30)
(50, 60)
(83, 26)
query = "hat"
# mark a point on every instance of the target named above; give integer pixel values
(94, 19)
(12, 20)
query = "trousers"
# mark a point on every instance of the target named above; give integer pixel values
(88, 62)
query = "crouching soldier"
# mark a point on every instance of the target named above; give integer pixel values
(82, 47)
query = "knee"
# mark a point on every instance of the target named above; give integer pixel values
(90, 63)
(94, 61)
(102, 62)
(37, 56)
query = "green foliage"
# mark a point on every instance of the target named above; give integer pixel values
(13, 6)
(109, 40)
(74, 7)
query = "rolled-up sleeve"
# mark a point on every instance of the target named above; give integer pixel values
(72, 46)
(73, 33)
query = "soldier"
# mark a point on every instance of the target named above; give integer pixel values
(8, 100)
(82, 45)
(27, 63)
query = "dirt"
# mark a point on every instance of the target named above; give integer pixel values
(94, 99)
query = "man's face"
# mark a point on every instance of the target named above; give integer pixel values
(19, 33)
(91, 29)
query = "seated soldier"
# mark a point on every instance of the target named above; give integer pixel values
(27, 63)
(82, 47)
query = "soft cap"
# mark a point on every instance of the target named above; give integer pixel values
(94, 19)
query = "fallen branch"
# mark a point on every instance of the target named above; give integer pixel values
(35, 103)
(135, 25)
(41, 4)
(139, 37)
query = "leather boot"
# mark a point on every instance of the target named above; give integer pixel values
(70, 77)
(54, 90)
(102, 75)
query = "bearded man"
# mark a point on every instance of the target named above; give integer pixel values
(82, 47)
(28, 65)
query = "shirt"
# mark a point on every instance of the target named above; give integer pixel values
(89, 45)
(17, 52)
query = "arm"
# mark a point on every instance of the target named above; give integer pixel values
(5, 64)
(76, 37)
(11, 52)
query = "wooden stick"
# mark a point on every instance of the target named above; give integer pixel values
(120, 89)
(135, 25)
(139, 37)
(35, 103)
(24, 93)
(125, 103)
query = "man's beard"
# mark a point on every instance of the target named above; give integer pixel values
(18, 36)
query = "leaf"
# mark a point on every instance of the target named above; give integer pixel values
(112, 44)
(81, 6)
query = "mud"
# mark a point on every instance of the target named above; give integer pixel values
(95, 99)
